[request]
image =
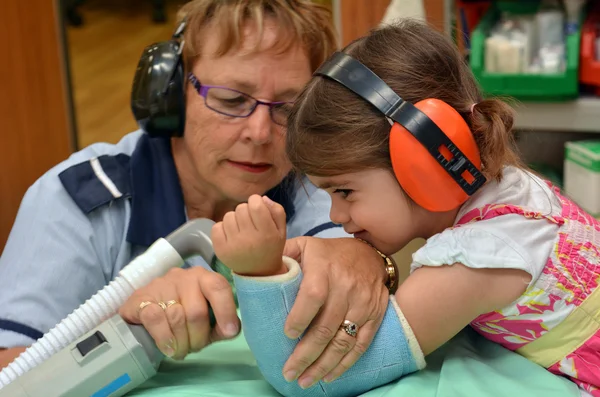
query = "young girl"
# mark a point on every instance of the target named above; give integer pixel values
(517, 261)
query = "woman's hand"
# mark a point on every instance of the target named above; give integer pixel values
(343, 280)
(175, 310)
(250, 240)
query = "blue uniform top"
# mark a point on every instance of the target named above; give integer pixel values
(88, 217)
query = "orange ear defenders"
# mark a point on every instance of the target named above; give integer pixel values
(434, 155)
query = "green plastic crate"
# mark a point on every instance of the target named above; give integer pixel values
(538, 87)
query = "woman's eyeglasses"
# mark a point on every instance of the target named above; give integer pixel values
(234, 103)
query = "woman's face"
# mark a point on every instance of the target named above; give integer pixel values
(238, 157)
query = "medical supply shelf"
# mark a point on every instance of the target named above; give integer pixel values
(579, 115)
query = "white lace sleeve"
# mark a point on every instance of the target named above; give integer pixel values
(505, 242)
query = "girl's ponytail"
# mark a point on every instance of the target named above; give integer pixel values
(492, 126)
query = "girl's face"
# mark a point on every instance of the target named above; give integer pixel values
(371, 205)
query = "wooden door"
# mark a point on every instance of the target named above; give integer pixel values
(35, 128)
(434, 10)
(357, 17)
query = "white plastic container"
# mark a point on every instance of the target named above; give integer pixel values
(582, 174)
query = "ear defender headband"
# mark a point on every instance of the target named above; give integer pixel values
(158, 92)
(433, 152)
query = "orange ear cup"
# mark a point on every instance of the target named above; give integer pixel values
(420, 175)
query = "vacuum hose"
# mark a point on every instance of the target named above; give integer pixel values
(191, 239)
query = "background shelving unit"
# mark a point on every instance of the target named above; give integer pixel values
(580, 115)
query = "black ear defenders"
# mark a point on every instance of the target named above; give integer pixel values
(433, 152)
(158, 92)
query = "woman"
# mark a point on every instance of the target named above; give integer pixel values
(88, 217)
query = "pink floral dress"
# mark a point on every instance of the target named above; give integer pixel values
(556, 322)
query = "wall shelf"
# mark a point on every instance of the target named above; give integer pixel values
(581, 115)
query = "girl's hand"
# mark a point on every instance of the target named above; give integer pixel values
(250, 240)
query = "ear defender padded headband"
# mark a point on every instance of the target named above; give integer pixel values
(158, 92)
(433, 152)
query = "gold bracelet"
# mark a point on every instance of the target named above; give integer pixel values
(390, 267)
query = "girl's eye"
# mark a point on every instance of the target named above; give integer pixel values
(343, 192)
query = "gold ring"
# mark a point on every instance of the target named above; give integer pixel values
(171, 303)
(143, 305)
(162, 305)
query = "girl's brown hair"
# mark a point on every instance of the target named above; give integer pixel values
(332, 131)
